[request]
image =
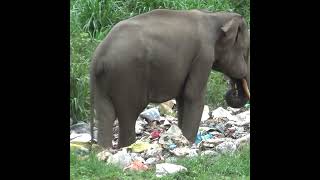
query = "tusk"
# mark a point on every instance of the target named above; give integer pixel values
(245, 88)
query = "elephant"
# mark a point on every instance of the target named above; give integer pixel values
(161, 55)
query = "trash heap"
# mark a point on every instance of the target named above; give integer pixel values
(160, 141)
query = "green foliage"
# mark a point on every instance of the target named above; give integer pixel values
(216, 89)
(81, 49)
(91, 20)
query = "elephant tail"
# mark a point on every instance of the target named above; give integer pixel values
(92, 82)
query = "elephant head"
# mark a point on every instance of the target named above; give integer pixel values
(232, 57)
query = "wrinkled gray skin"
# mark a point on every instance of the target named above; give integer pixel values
(161, 55)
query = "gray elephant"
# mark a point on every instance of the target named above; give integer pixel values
(163, 55)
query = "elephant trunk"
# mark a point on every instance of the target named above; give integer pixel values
(239, 94)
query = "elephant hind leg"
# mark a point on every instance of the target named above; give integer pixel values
(105, 117)
(127, 134)
(128, 110)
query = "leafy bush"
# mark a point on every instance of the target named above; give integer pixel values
(82, 47)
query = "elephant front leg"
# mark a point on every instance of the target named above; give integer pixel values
(192, 99)
(190, 117)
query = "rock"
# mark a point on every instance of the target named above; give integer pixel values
(151, 161)
(121, 159)
(220, 113)
(209, 153)
(226, 147)
(167, 168)
(205, 113)
(104, 155)
(151, 114)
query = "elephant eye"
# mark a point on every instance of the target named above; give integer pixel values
(237, 34)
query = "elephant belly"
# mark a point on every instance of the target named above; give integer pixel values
(165, 83)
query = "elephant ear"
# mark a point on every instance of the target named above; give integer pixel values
(230, 30)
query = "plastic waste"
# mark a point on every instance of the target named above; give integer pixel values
(121, 159)
(180, 151)
(151, 114)
(151, 161)
(137, 166)
(226, 147)
(168, 168)
(139, 146)
(247, 105)
(173, 136)
(104, 155)
(155, 134)
(83, 137)
(209, 153)
(154, 151)
(221, 112)
(205, 113)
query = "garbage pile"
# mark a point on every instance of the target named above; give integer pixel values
(160, 141)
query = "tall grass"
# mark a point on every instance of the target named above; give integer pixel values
(91, 20)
